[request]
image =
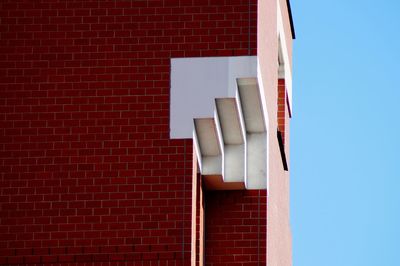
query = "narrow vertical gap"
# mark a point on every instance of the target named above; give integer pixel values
(281, 105)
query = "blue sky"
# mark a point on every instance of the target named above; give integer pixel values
(345, 130)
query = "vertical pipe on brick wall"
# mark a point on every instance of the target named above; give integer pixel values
(258, 230)
(203, 201)
(184, 201)
(193, 249)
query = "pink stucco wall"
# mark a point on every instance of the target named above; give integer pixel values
(279, 243)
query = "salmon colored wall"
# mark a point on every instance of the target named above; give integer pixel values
(288, 33)
(279, 251)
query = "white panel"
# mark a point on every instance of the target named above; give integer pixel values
(229, 119)
(196, 82)
(207, 136)
(234, 166)
(233, 139)
(250, 98)
(212, 165)
(257, 161)
(197, 150)
(208, 147)
(256, 132)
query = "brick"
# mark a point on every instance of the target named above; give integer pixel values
(230, 239)
(85, 93)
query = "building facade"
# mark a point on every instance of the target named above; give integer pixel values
(146, 132)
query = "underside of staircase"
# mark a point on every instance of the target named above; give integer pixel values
(231, 146)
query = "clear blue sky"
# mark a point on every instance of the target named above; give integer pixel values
(345, 134)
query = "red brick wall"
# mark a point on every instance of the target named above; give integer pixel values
(236, 227)
(88, 172)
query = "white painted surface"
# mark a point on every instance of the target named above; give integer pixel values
(207, 136)
(234, 166)
(207, 143)
(196, 82)
(266, 121)
(250, 98)
(257, 161)
(251, 95)
(228, 115)
(232, 138)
